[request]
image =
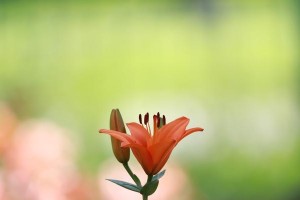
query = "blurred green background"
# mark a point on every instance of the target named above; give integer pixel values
(231, 66)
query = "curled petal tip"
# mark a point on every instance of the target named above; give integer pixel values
(101, 130)
(199, 129)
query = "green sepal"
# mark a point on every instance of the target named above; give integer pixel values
(137, 180)
(149, 188)
(159, 175)
(126, 185)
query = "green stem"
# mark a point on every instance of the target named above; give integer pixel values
(149, 179)
(132, 175)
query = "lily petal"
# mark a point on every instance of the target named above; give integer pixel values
(139, 133)
(164, 157)
(118, 135)
(158, 150)
(173, 130)
(189, 131)
(144, 158)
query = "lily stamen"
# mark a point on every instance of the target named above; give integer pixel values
(154, 125)
(140, 119)
(146, 122)
(158, 120)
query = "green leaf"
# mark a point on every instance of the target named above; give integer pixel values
(159, 175)
(126, 185)
(150, 188)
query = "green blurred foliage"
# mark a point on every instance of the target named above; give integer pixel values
(72, 62)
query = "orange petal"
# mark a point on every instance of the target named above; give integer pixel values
(189, 131)
(144, 158)
(164, 157)
(141, 153)
(139, 133)
(118, 135)
(173, 130)
(158, 150)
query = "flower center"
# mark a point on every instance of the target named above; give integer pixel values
(158, 122)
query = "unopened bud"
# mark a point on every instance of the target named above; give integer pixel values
(116, 123)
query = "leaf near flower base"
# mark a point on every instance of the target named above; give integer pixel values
(150, 188)
(159, 175)
(126, 185)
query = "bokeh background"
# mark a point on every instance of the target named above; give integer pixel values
(231, 66)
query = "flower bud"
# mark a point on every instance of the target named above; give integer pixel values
(117, 124)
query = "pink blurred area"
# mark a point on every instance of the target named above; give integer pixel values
(38, 161)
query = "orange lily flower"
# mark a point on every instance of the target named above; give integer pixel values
(153, 151)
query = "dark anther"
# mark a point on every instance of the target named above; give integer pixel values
(146, 118)
(164, 120)
(158, 115)
(140, 118)
(158, 121)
